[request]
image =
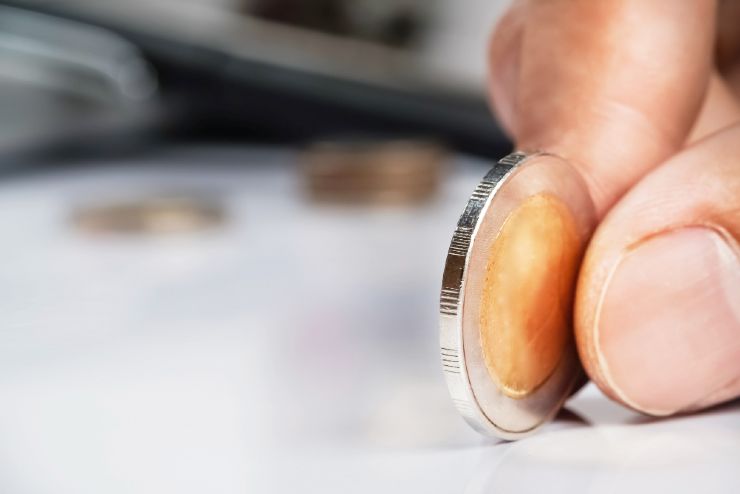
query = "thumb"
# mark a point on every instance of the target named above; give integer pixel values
(613, 86)
(658, 302)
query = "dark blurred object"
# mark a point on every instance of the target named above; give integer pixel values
(162, 214)
(395, 24)
(324, 15)
(373, 172)
(237, 78)
(62, 81)
(728, 37)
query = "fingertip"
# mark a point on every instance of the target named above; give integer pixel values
(595, 82)
(504, 51)
(666, 324)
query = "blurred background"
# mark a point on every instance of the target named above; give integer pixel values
(264, 71)
(224, 224)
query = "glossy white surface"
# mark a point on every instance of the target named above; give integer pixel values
(293, 350)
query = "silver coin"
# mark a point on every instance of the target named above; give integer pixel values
(506, 340)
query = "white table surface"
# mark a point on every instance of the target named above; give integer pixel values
(292, 350)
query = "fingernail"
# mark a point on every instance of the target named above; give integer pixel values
(668, 325)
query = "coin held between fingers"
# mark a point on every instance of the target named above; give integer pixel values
(506, 321)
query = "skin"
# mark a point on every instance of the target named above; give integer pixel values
(627, 91)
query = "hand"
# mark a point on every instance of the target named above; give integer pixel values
(626, 91)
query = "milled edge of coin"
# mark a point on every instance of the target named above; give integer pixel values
(452, 299)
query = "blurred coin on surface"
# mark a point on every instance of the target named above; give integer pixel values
(165, 214)
(373, 171)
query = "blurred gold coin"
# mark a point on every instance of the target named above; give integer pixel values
(150, 215)
(373, 172)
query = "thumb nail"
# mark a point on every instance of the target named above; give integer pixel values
(668, 325)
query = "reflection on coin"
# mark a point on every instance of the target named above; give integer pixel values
(506, 340)
(151, 215)
(373, 172)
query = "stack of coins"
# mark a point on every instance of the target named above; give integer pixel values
(373, 172)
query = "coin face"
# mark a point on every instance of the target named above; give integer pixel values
(507, 342)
